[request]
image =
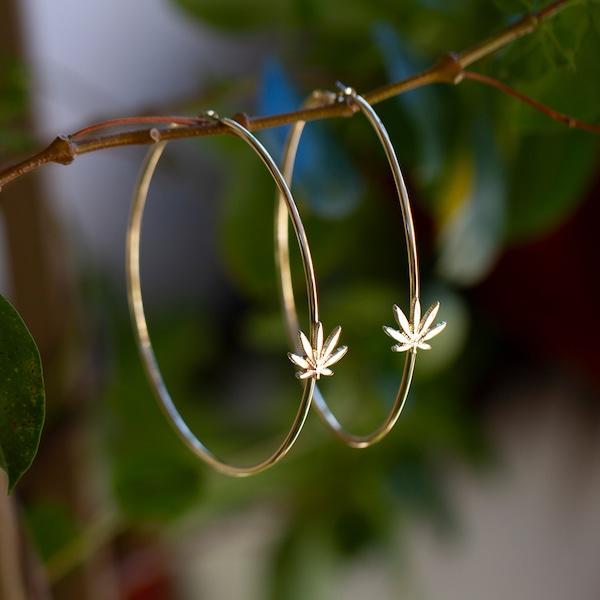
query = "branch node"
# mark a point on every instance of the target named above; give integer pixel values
(448, 68)
(62, 150)
(243, 119)
(531, 22)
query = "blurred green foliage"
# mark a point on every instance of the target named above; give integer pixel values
(13, 107)
(484, 172)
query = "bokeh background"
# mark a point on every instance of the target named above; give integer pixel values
(488, 487)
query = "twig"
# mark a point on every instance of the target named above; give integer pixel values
(448, 69)
(553, 114)
(136, 121)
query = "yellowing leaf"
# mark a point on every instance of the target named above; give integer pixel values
(456, 189)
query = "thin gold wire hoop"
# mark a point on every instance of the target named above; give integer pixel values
(285, 276)
(136, 306)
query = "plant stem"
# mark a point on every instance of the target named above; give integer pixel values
(553, 114)
(448, 69)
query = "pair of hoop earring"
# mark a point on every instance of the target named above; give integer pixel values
(313, 354)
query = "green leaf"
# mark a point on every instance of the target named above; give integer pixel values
(514, 6)
(572, 92)
(562, 36)
(593, 9)
(155, 486)
(51, 525)
(334, 17)
(238, 15)
(303, 563)
(155, 477)
(22, 400)
(247, 223)
(555, 46)
(551, 176)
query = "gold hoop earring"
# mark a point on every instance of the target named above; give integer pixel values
(136, 306)
(413, 332)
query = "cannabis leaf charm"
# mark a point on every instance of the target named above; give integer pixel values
(414, 334)
(318, 355)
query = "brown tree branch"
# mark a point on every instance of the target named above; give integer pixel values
(448, 69)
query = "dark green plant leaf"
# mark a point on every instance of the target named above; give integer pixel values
(237, 15)
(571, 91)
(155, 477)
(514, 6)
(22, 399)
(556, 45)
(156, 486)
(593, 9)
(562, 36)
(551, 176)
(247, 218)
(51, 525)
(333, 17)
